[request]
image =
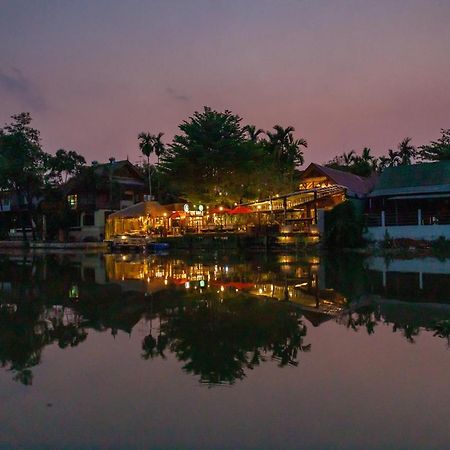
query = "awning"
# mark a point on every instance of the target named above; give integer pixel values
(241, 210)
(152, 209)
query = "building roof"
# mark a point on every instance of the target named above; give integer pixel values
(152, 209)
(105, 168)
(427, 178)
(355, 183)
(104, 171)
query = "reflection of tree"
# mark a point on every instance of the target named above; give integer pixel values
(442, 329)
(409, 320)
(218, 336)
(25, 332)
(218, 339)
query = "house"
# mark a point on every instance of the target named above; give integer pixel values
(411, 202)
(320, 188)
(98, 191)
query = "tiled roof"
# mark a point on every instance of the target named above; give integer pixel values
(355, 183)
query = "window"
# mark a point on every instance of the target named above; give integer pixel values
(73, 201)
(128, 195)
(89, 219)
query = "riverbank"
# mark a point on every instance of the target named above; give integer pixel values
(54, 245)
(210, 241)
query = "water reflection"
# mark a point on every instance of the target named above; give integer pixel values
(220, 315)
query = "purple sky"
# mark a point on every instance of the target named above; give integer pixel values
(345, 74)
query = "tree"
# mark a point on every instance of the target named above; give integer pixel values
(65, 164)
(286, 150)
(147, 147)
(348, 158)
(252, 133)
(207, 161)
(343, 227)
(366, 155)
(406, 151)
(158, 146)
(437, 150)
(23, 164)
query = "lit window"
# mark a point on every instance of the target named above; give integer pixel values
(73, 201)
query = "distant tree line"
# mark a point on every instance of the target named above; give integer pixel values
(406, 153)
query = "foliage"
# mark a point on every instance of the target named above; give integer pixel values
(366, 164)
(343, 227)
(151, 143)
(64, 165)
(22, 162)
(217, 160)
(437, 150)
(363, 165)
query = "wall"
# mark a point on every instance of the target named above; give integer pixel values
(94, 232)
(424, 232)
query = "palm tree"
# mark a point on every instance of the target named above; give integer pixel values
(147, 147)
(280, 140)
(383, 163)
(253, 133)
(366, 156)
(406, 151)
(348, 158)
(158, 146)
(393, 158)
(159, 149)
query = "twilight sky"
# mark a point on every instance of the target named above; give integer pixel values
(344, 73)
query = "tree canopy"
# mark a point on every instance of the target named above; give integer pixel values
(216, 159)
(437, 150)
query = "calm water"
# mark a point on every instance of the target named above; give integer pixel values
(223, 351)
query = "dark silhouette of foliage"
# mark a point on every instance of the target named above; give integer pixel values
(437, 150)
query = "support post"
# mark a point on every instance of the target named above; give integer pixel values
(383, 219)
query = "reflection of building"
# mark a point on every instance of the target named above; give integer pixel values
(296, 282)
(320, 188)
(411, 202)
(425, 279)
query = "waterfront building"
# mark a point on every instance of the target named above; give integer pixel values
(116, 185)
(411, 201)
(320, 189)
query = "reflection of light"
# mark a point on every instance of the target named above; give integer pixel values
(202, 283)
(187, 285)
(222, 288)
(73, 292)
(165, 282)
(226, 269)
(124, 258)
(301, 284)
(260, 291)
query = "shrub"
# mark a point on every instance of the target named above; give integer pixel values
(343, 227)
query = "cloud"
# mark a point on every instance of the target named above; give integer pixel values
(17, 85)
(177, 95)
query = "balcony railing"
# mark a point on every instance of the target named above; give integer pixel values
(407, 218)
